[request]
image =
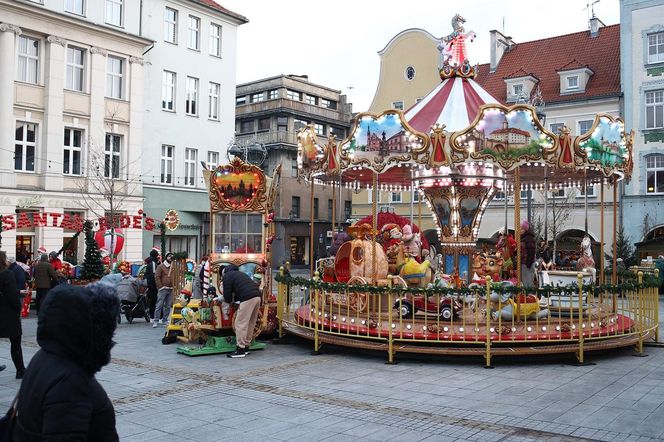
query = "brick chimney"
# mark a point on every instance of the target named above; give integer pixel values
(499, 44)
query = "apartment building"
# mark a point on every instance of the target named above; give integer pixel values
(71, 119)
(269, 112)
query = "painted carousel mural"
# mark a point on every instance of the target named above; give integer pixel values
(385, 288)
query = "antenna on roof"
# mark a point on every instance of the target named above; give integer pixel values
(503, 25)
(590, 7)
(350, 91)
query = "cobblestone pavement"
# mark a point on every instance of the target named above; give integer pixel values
(285, 393)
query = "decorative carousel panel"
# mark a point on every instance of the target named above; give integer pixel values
(380, 142)
(237, 186)
(606, 146)
(509, 136)
(310, 153)
(274, 188)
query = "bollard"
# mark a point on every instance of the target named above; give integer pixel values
(390, 334)
(314, 293)
(280, 304)
(579, 281)
(656, 300)
(639, 314)
(487, 356)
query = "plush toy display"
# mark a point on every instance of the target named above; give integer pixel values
(416, 274)
(412, 243)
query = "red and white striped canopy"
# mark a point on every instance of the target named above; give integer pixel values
(454, 103)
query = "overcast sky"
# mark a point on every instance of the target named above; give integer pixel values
(336, 42)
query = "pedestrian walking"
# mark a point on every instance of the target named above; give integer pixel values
(151, 263)
(240, 288)
(45, 277)
(164, 282)
(59, 398)
(528, 249)
(10, 313)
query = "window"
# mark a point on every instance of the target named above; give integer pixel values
(347, 210)
(190, 166)
(395, 197)
(273, 94)
(191, 105)
(299, 124)
(410, 73)
(397, 105)
(24, 146)
(573, 82)
(237, 232)
(656, 48)
(114, 77)
(240, 100)
(171, 25)
(655, 173)
(246, 126)
(214, 90)
(525, 194)
(294, 170)
(28, 59)
(591, 191)
(166, 164)
(75, 68)
(193, 32)
(517, 89)
(293, 95)
(75, 6)
(319, 128)
(584, 126)
(330, 104)
(312, 100)
(330, 207)
(556, 127)
(295, 207)
(655, 109)
(112, 156)
(215, 40)
(337, 132)
(257, 97)
(212, 160)
(71, 158)
(282, 124)
(416, 196)
(499, 196)
(168, 91)
(114, 12)
(264, 124)
(558, 193)
(315, 208)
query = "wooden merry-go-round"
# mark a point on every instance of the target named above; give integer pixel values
(456, 149)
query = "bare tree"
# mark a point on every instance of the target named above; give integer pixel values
(559, 213)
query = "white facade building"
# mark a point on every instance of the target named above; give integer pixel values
(189, 111)
(71, 94)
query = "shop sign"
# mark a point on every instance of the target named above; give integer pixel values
(172, 220)
(32, 201)
(29, 220)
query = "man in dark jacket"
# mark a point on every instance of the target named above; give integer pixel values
(45, 276)
(528, 250)
(239, 287)
(151, 263)
(59, 398)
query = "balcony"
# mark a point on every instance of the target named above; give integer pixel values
(292, 106)
(268, 138)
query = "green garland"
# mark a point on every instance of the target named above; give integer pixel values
(546, 291)
(162, 231)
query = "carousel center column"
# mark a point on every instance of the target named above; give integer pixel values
(8, 34)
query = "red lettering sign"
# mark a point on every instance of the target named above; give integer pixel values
(8, 222)
(66, 222)
(23, 221)
(54, 219)
(125, 221)
(39, 220)
(136, 222)
(149, 223)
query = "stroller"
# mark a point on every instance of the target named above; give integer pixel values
(133, 303)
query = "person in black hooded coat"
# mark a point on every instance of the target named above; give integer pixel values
(59, 398)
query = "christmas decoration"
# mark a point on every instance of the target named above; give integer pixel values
(92, 265)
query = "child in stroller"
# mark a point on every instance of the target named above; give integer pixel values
(133, 303)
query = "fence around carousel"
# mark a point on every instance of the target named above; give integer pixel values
(369, 316)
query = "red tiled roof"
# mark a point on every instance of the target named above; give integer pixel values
(214, 5)
(543, 58)
(521, 73)
(511, 130)
(574, 64)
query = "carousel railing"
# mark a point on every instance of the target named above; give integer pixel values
(485, 320)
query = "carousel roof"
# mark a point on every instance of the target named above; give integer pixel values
(455, 102)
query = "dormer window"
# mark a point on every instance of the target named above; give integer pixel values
(573, 82)
(520, 85)
(517, 90)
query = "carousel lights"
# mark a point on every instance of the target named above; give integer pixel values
(446, 329)
(460, 329)
(408, 326)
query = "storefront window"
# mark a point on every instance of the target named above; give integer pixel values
(238, 232)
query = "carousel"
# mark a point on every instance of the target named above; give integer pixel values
(385, 288)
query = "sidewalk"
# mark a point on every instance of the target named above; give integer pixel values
(285, 393)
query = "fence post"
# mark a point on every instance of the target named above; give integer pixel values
(487, 356)
(314, 293)
(281, 288)
(579, 327)
(656, 300)
(639, 316)
(390, 334)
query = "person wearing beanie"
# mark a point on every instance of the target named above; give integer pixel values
(59, 398)
(164, 281)
(151, 263)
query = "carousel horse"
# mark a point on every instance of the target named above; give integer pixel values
(586, 262)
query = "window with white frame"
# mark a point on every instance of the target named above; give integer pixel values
(241, 100)
(171, 25)
(397, 105)
(75, 68)
(212, 159)
(75, 6)
(557, 193)
(581, 193)
(25, 146)
(166, 176)
(395, 197)
(293, 95)
(28, 59)
(71, 156)
(330, 104)
(311, 99)
(416, 196)
(656, 48)
(655, 173)
(191, 105)
(190, 166)
(499, 196)
(273, 94)
(556, 127)
(655, 109)
(525, 194)
(112, 150)
(214, 91)
(114, 12)
(584, 126)
(294, 169)
(517, 89)
(168, 91)
(215, 40)
(573, 82)
(193, 32)
(319, 128)
(258, 96)
(115, 77)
